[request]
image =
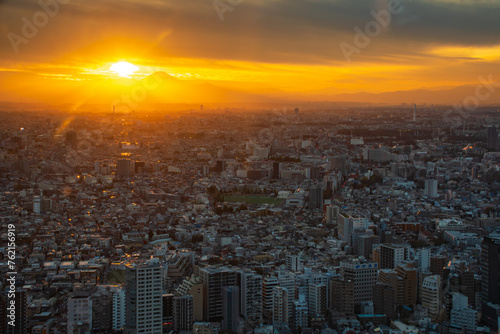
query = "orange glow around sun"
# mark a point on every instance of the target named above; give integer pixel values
(124, 69)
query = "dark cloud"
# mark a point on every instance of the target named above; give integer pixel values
(294, 31)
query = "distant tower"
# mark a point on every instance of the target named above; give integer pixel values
(414, 112)
(201, 107)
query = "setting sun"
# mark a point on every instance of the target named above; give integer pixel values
(124, 69)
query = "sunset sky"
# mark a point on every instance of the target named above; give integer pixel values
(272, 48)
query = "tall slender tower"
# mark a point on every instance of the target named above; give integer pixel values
(414, 112)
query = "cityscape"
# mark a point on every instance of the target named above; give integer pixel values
(153, 182)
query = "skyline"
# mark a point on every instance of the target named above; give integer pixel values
(260, 51)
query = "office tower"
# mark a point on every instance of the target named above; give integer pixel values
(213, 280)
(123, 168)
(294, 263)
(280, 305)
(251, 295)
(316, 197)
(342, 295)
(79, 314)
(429, 295)
(332, 211)
(430, 189)
(492, 138)
(366, 243)
(183, 313)
(317, 300)
(312, 173)
(144, 304)
(230, 308)
(118, 308)
(438, 263)
(268, 285)
(339, 164)
(299, 318)
(424, 259)
(168, 312)
(383, 300)
(192, 286)
(364, 276)
(276, 170)
(287, 282)
(391, 255)
(414, 112)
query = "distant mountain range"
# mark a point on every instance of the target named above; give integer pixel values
(161, 88)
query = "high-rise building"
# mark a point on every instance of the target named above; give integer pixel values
(102, 309)
(276, 170)
(123, 167)
(347, 224)
(409, 275)
(192, 286)
(424, 259)
(490, 281)
(294, 263)
(364, 276)
(490, 269)
(168, 312)
(118, 308)
(230, 308)
(268, 285)
(342, 295)
(37, 207)
(280, 305)
(316, 197)
(300, 318)
(391, 255)
(251, 295)
(332, 212)
(213, 280)
(366, 243)
(79, 314)
(438, 262)
(492, 138)
(430, 189)
(183, 313)
(430, 297)
(144, 299)
(318, 294)
(339, 163)
(383, 300)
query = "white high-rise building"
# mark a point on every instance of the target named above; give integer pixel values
(332, 212)
(144, 302)
(268, 285)
(317, 305)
